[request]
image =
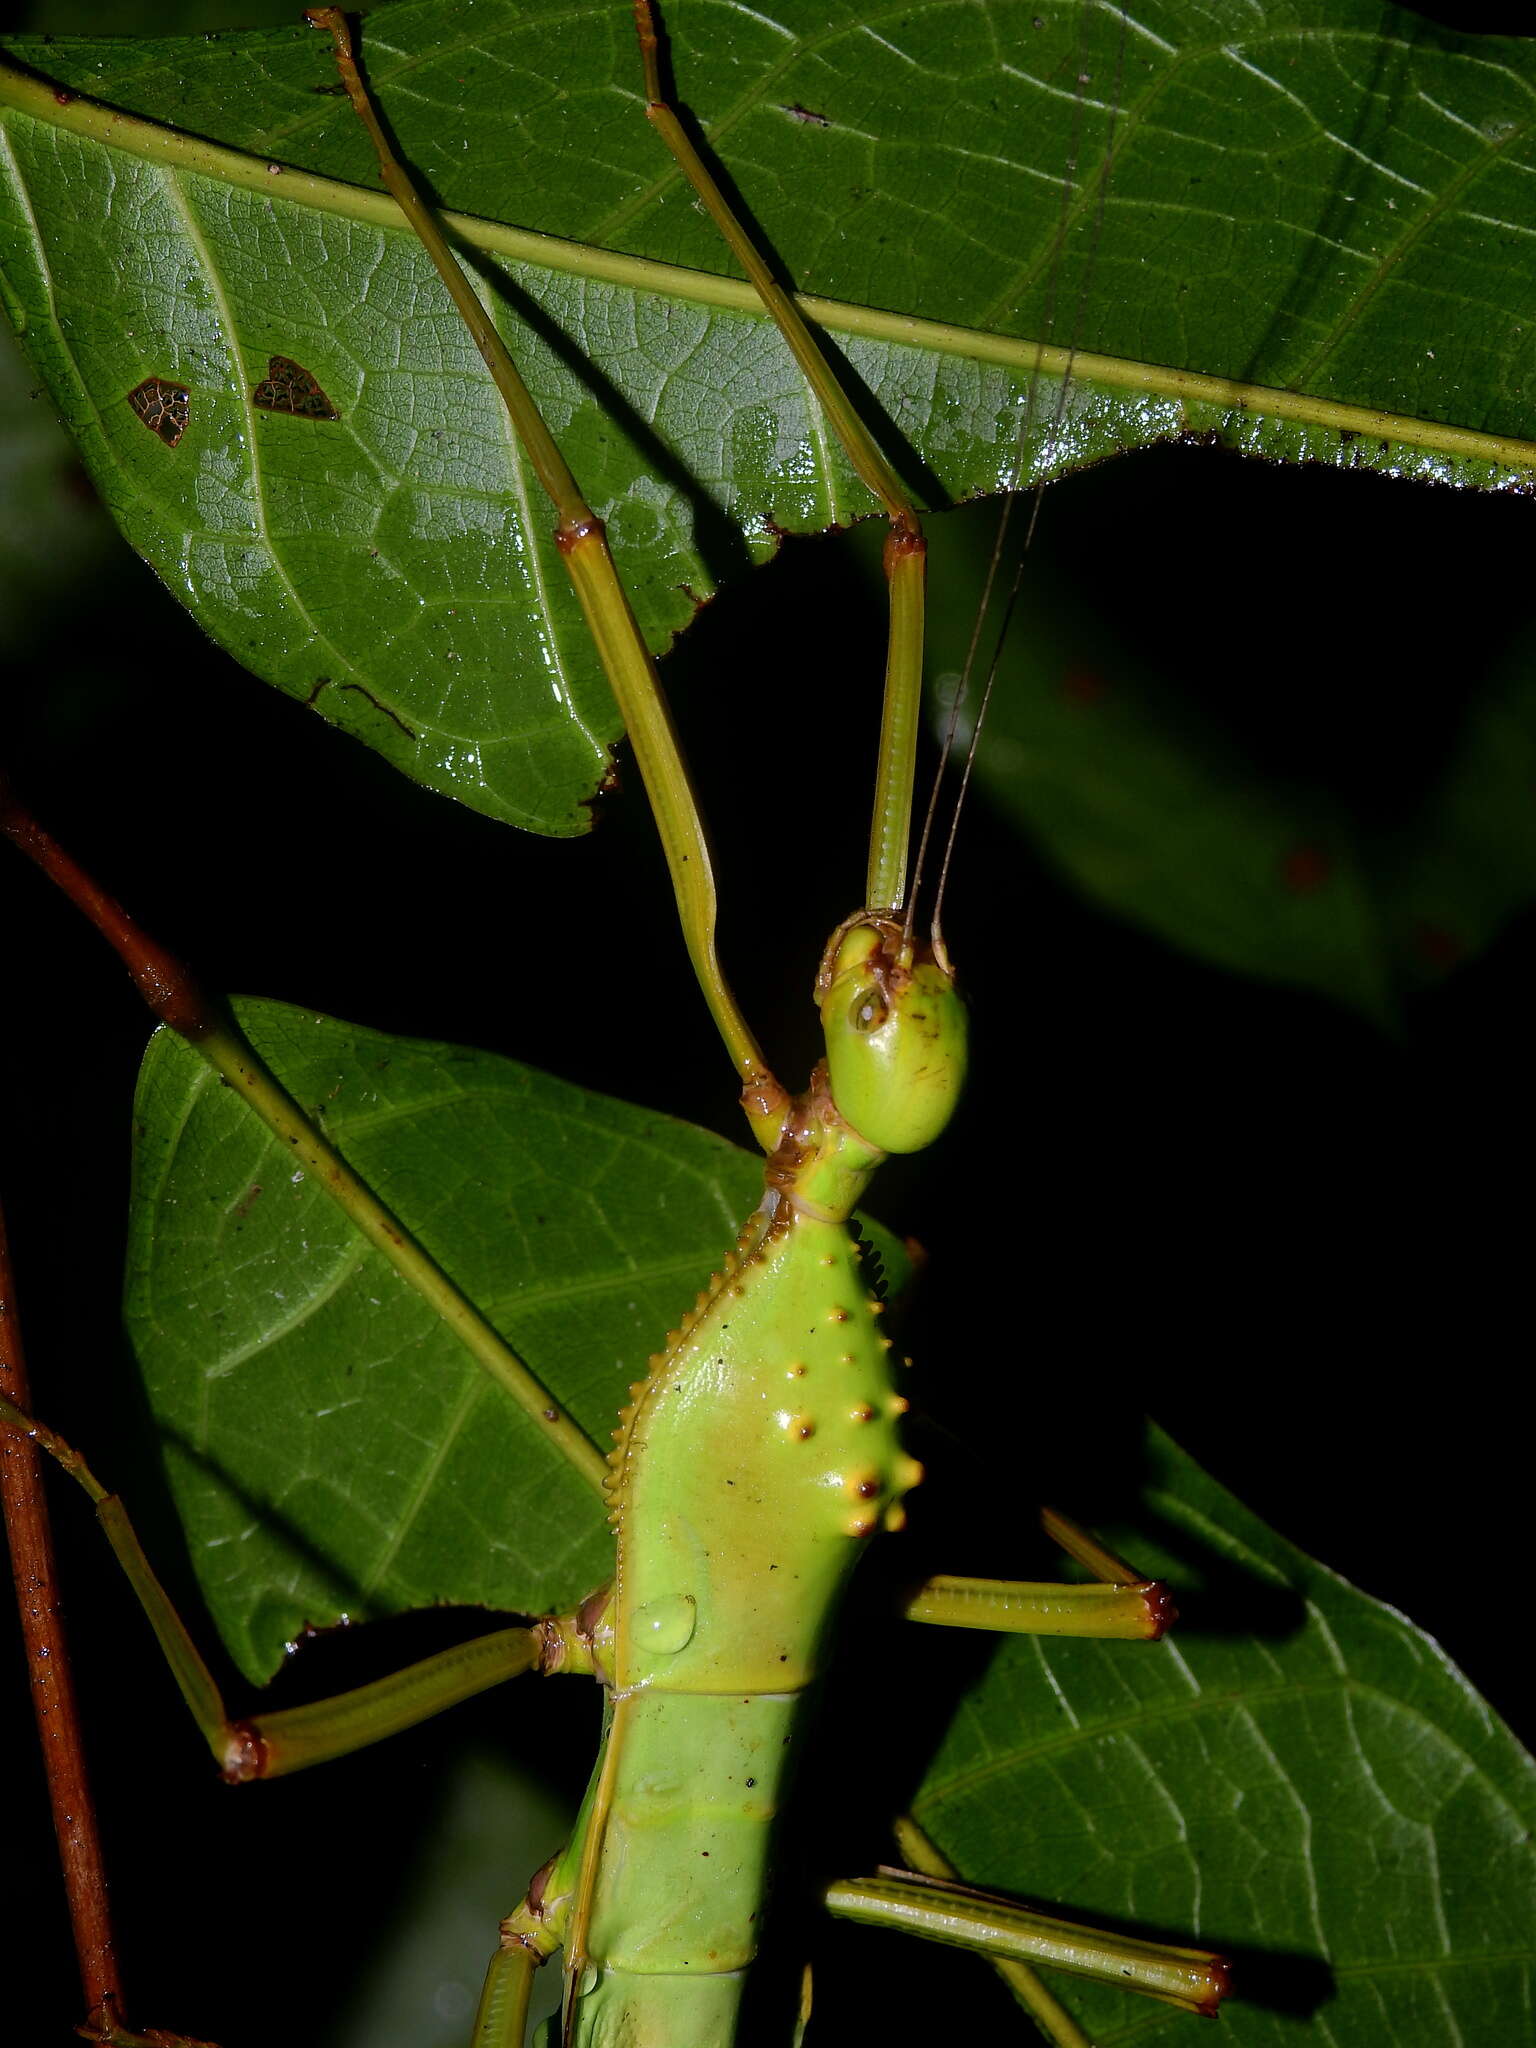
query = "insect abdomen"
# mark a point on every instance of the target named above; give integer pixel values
(683, 1865)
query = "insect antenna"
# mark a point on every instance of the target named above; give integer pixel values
(1050, 442)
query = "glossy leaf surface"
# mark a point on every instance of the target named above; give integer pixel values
(1323, 201)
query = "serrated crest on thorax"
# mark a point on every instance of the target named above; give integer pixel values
(738, 1262)
(817, 1171)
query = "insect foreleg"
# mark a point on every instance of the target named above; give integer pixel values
(906, 550)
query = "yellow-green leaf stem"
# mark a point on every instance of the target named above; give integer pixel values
(227, 1052)
(207, 1028)
(1241, 409)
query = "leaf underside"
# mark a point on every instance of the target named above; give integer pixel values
(1324, 199)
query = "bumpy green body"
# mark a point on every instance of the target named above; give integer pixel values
(752, 1466)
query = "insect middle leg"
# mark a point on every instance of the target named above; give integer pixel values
(1121, 1604)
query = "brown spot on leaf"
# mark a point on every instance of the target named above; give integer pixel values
(164, 407)
(289, 387)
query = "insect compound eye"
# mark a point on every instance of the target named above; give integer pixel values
(868, 1010)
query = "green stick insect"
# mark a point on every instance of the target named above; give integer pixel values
(762, 1451)
(761, 1455)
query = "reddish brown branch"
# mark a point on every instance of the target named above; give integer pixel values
(174, 997)
(165, 984)
(53, 1693)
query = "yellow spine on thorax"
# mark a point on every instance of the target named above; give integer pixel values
(751, 1465)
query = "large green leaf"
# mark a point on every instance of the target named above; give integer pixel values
(1318, 1787)
(1314, 220)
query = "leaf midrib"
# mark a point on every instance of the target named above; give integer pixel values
(154, 142)
(1345, 1682)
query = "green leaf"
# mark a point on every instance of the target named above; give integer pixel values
(1312, 222)
(331, 1447)
(1326, 1788)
